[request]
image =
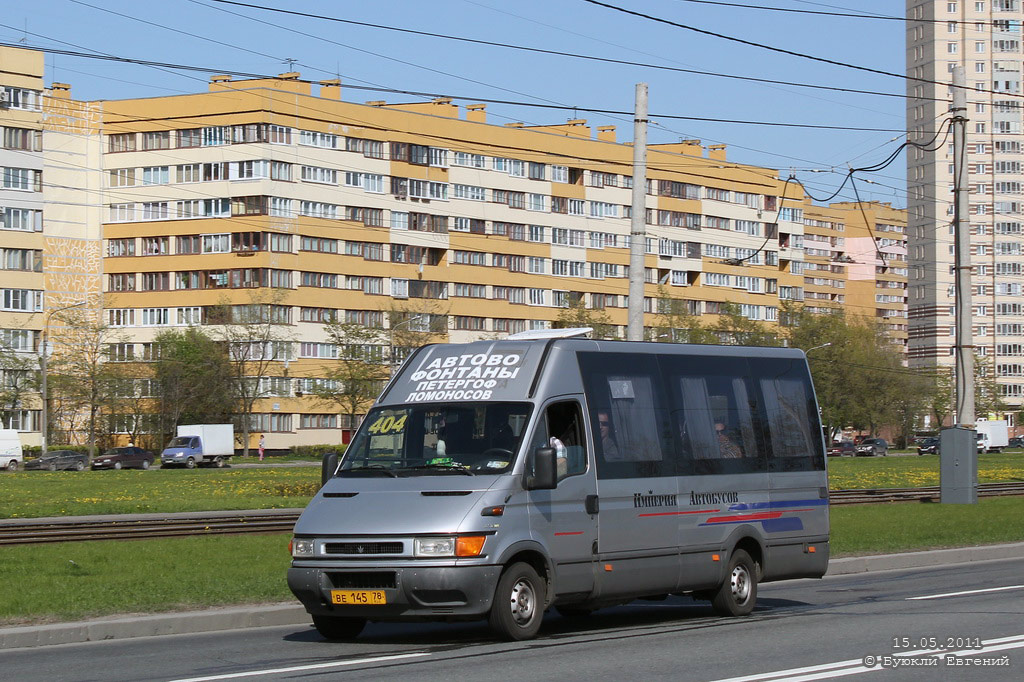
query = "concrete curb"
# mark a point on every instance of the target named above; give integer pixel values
(124, 627)
(212, 620)
(934, 557)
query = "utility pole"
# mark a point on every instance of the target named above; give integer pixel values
(958, 465)
(638, 224)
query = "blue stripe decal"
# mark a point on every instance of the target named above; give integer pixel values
(786, 523)
(750, 506)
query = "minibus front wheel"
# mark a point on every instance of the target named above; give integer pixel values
(338, 628)
(738, 593)
(518, 607)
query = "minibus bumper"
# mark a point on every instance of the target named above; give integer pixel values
(410, 592)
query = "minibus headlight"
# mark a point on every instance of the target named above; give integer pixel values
(434, 547)
(302, 547)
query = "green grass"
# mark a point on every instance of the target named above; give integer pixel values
(913, 472)
(74, 581)
(79, 580)
(859, 529)
(28, 494)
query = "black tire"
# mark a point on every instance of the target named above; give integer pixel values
(338, 628)
(12, 465)
(117, 465)
(219, 462)
(79, 466)
(738, 594)
(518, 606)
(191, 463)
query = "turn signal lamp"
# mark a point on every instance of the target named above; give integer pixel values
(469, 545)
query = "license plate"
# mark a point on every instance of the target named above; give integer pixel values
(357, 597)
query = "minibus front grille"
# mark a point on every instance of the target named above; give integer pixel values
(359, 548)
(362, 580)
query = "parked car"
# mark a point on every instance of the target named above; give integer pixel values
(842, 449)
(928, 446)
(124, 458)
(1016, 442)
(871, 447)
(59, 459)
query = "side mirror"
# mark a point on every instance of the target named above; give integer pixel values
(328, 466)
(545, 472)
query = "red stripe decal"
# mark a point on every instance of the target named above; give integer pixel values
(575, 532)
(680, 513)
(761, 516)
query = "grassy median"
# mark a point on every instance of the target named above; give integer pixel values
(78, 580)
(30, 494)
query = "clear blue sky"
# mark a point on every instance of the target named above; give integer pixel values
(237, 38)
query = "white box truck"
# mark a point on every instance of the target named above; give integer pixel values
(200, 444)
(993, 435)
(10, 449)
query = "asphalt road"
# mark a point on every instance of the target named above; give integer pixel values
(801, 630)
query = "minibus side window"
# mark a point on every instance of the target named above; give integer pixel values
(624, 392)
(792, 415)
(562, 429)
(717, 419)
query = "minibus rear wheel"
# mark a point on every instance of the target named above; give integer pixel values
(338, 628)
(738, 593)
(518, 607)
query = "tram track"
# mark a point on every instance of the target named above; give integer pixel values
(148, 526)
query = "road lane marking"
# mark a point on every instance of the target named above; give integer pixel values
(958, 594)
(300, 668)
(856, 666)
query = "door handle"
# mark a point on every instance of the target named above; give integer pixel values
(591, 504)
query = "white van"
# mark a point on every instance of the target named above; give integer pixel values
(10, 449)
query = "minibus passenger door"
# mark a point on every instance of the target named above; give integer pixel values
(560, 517)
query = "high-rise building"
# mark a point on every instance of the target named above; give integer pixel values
(983, 37)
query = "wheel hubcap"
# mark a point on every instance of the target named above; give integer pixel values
(524, 602)
(740, 582)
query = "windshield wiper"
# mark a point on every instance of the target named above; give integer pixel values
(372, 469)
(454, 468)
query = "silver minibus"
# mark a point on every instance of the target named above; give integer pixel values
(495, 479)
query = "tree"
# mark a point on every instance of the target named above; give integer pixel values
(256, 340)
(195, 379)
(987, 399)
(356, 378)
(732, 328)
(676, 324)
(941, 394)
(81, 383)
(858, 374)
(17, 380)
(576, 314)
(412, 324)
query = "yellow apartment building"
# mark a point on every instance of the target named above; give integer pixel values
(21, 235)
(275, 195)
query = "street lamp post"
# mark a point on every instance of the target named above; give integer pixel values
(45, 436)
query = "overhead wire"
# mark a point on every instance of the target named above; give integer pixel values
(770, 48)
(559, 53)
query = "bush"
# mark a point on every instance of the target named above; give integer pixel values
(315, 451)
(34, 451)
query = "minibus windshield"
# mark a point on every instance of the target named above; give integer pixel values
(416, 440)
